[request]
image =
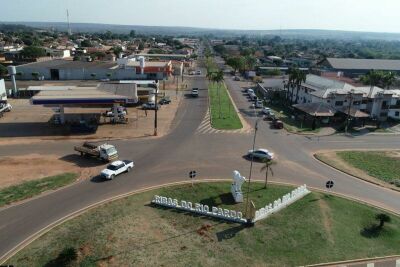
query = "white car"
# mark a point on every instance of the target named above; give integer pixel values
(259, 104)
(266, 110)
(116, 168)
(250, 91)
(260, 154)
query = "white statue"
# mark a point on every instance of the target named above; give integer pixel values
(236, 188)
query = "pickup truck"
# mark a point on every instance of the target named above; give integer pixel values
(151, 106)
(195, 92)
(5, 107)
(105, 152)
(116, 168)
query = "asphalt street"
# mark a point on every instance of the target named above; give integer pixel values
(170, 158)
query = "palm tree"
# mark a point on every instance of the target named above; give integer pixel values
(267, 168)
(292, 77)
(388, 79)
(218, 78)
(300, 78)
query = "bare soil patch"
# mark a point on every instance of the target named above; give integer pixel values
(35, 166)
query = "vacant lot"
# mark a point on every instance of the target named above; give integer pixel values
(130, 231)
(19, 169)
(223, 113)
(377, 166)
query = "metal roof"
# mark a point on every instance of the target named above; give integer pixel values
(69, 64)
(364, 64)
(317, 109)
(70, 97)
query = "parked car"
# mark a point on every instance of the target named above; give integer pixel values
(277, 124)
(270, 116)
(165, 100)
(151, 106)
(121, 111)
(236, 78)
(198, 72)
(260, 154)
(259, 103)
(252, 96)
(195, 92)
(105, 80)
(250, 91)
(116, 168)
(266, 110)
(192, 72)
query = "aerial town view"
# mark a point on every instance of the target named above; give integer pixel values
(200, 133)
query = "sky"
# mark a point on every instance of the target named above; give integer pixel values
(353, 15)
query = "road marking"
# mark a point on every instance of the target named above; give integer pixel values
(205, 128)
(370, 264)
(398, 263)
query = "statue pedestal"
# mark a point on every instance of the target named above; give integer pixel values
(237, 195)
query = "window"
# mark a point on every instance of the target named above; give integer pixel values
(364, 101)
(356, 103)
(329, 101)
(339, 103)
(383, 114)
(397, 114)
(345, 100)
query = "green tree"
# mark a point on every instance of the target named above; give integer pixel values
(388, 79)
(86, 43)
(218, 78)
(33, 52)
(141, 46)
(296, 78)
(267, 168)
(117, 50)
(132, 34)
(237, 63)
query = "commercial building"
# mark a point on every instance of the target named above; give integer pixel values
(377, 102)
(352, 67)
(122, 69)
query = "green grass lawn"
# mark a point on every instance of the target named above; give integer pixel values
(32, 188)
(378, 164)
(223, 114)
(131, 232)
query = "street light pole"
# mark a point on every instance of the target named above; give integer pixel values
(156, 109)
(348, 112)
(251, 163)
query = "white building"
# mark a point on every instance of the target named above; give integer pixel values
(377, 102)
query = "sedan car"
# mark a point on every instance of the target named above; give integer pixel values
(150, 105)
(165, 100)
(259, 103)
(266, 110)
(116, 168)
(260, 154)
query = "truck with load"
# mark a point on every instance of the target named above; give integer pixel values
(105, 152)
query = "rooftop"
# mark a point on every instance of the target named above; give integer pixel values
(364, 64)
(69, 64)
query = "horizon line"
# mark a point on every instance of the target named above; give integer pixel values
(202, 28)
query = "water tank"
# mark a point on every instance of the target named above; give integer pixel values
(12, 70)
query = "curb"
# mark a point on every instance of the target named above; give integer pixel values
(365, 260)
(357, 177)
(75, 214)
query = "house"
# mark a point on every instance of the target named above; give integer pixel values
(375, 101)
(352, 67)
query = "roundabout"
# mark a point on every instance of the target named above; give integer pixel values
(131, 230)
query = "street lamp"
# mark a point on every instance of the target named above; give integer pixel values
(251, 161)
(349, 110)
(155, 109)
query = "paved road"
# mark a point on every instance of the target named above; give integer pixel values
(170, 158)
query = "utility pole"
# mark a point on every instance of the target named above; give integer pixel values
(155, 110)
(251, 169)
(348, 112)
